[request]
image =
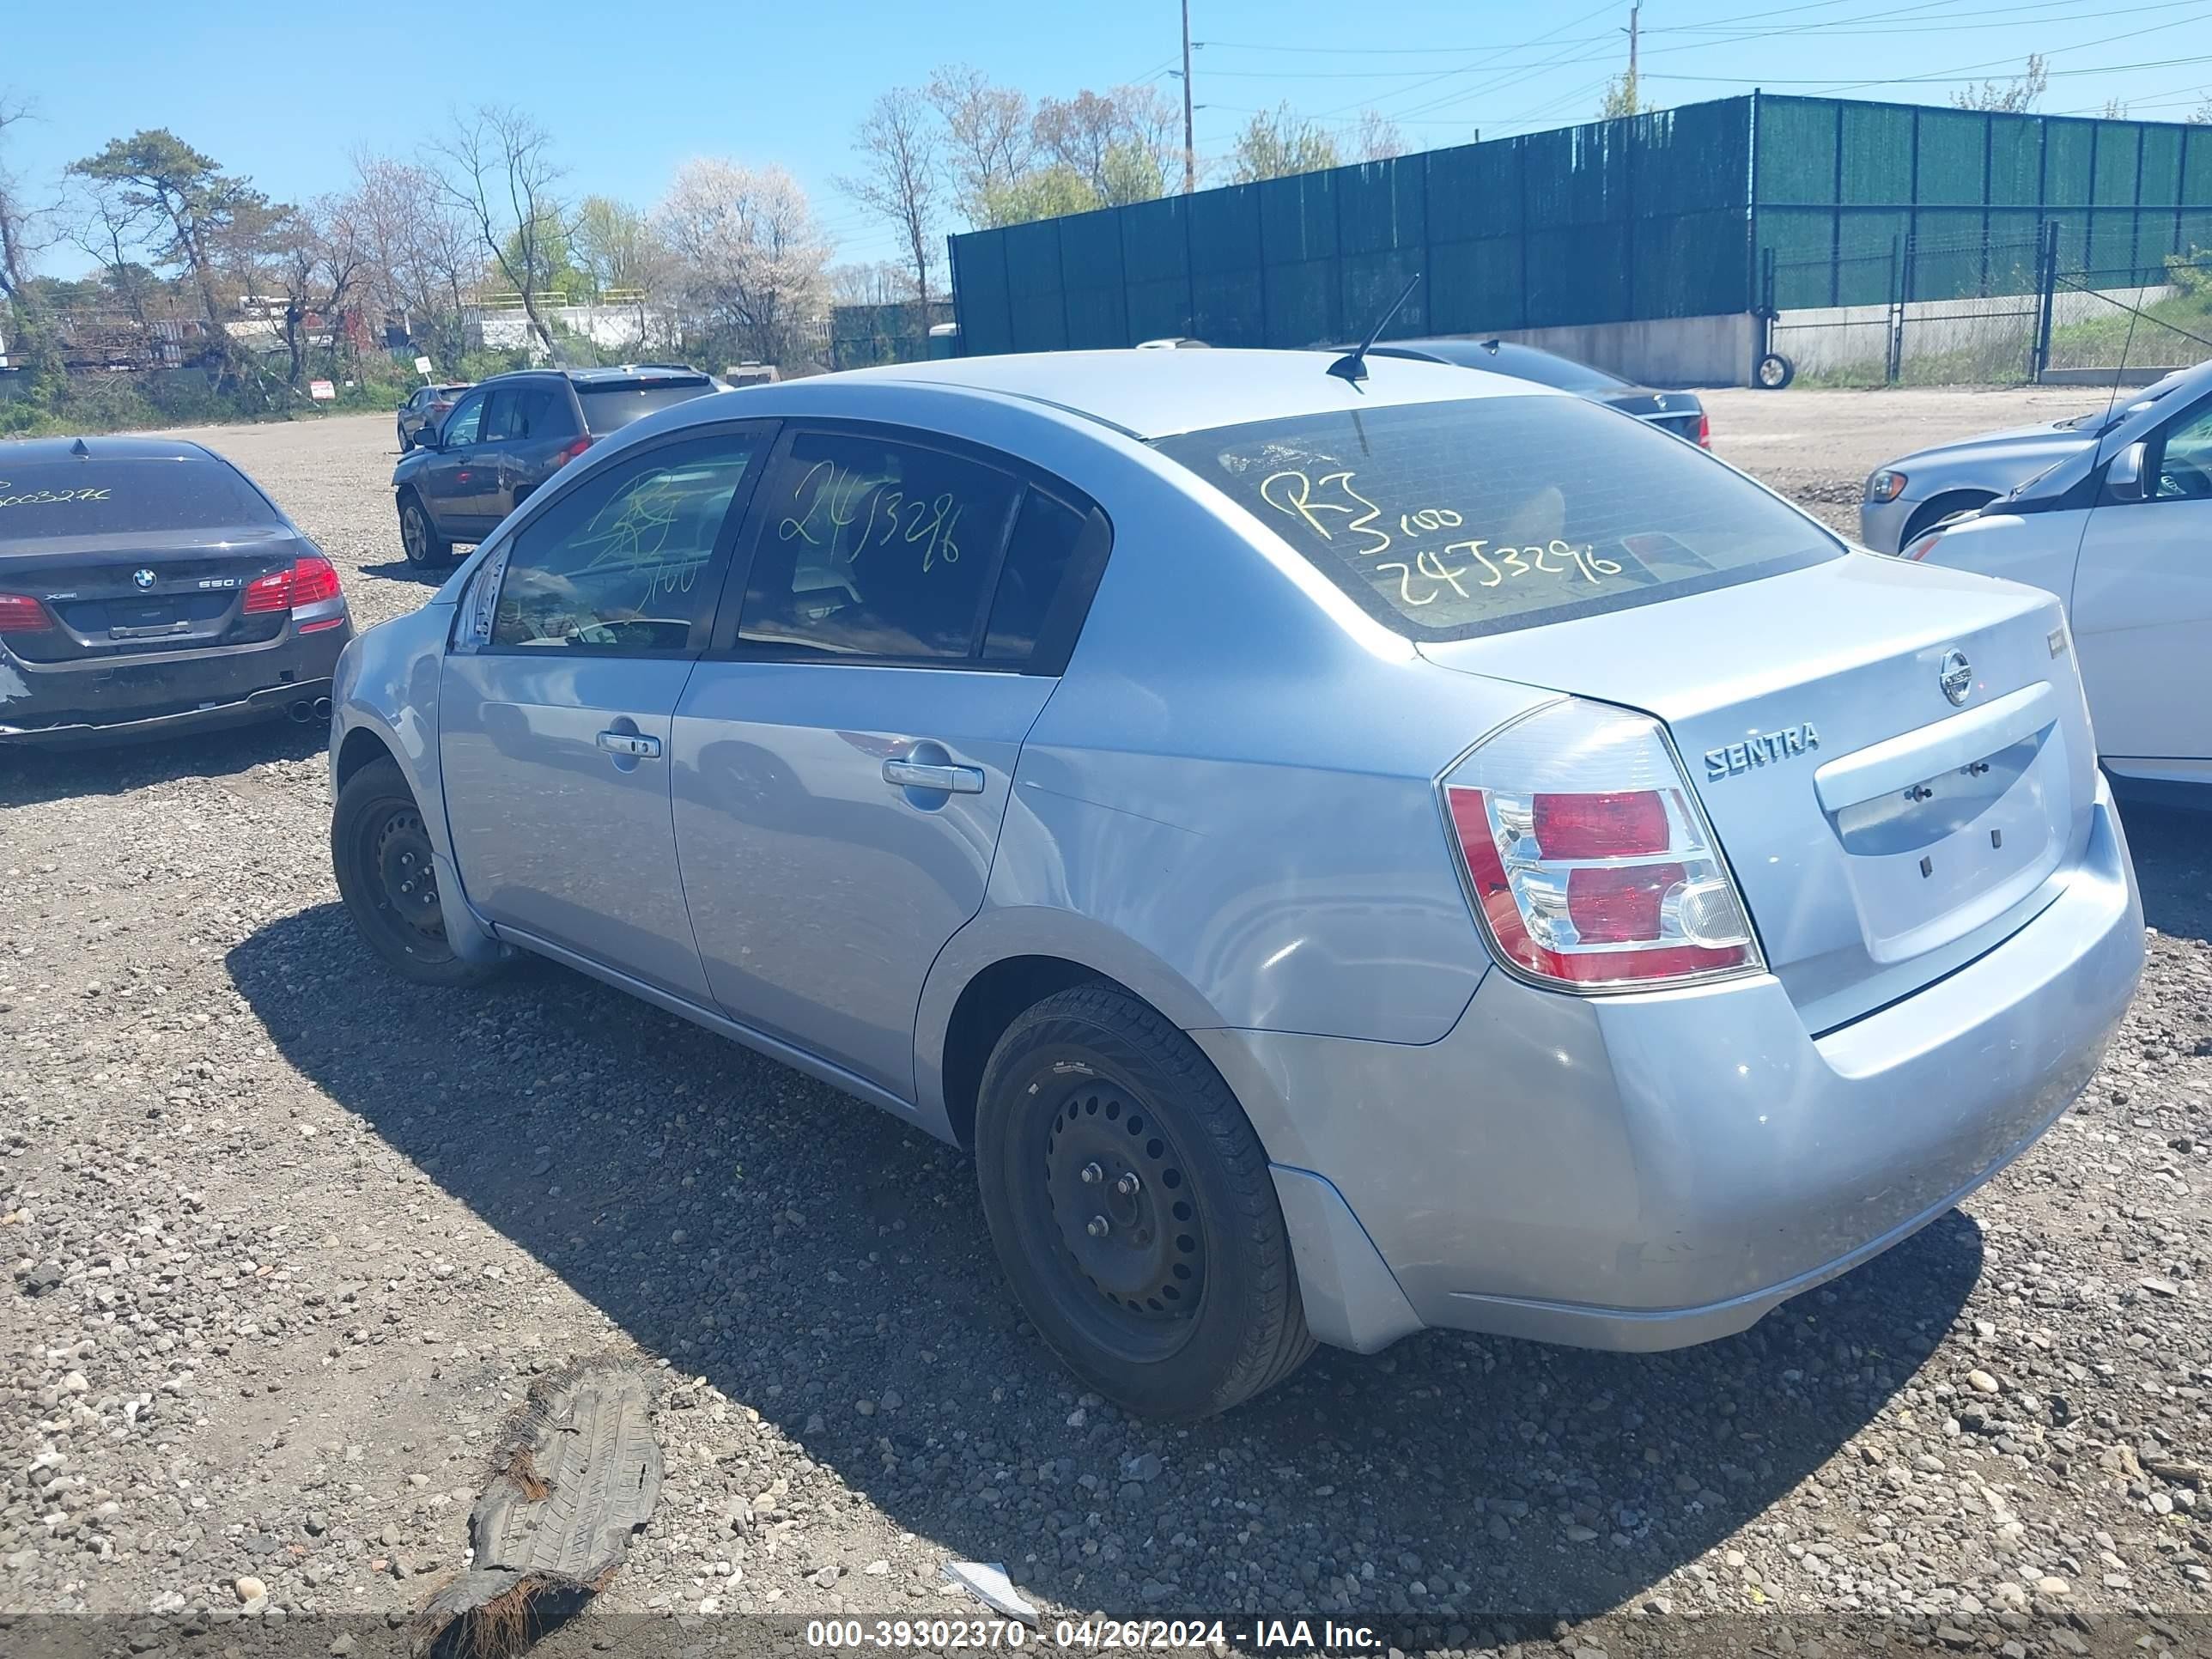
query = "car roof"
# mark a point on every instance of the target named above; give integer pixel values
(31, 451)
(1152, 394)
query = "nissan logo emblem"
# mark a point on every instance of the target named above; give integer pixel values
(1955, 675)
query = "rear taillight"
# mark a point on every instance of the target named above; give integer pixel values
(21, 614)
(309, 580)
(576, 448)
(1704, 430)
(1588, 861)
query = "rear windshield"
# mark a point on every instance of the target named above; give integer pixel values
(1445, 521)
(98, 497)
(611, 404)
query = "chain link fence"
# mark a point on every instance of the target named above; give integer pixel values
(1984, 312)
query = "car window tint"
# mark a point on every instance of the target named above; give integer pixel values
(617, 565)
(610, 406)
(461, 426)
(1444, 521)
(874, 548)
(1046, 533)
(2184, 471)
(100, 496)
(541, 412)
(499, 415)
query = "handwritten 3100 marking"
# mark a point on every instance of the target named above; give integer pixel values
(1293, 492)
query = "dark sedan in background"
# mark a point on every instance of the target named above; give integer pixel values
(1678, 412)
(508, 435)
(146, 586)
(422, 412)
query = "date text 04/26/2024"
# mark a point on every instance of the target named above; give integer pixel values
(1284, 1636)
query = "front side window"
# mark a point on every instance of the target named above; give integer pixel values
(499, 415)
(2184, 466)
(871, 547)
(1446, 520)
(462, 424)
(621, 563)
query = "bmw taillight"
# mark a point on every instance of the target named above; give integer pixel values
(1588, 861)
(21, 614)
(308, 580)
(1704, 430)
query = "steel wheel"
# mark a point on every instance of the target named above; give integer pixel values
(388, 878)
(1122, 1217)
(407, 876)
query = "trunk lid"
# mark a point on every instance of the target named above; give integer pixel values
(131, 592)
(1882, 834)
(1678, 412)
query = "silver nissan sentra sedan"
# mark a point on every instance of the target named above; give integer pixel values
(1348, 851)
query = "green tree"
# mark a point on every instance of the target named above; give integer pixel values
(1278, 143)
(1132, 173)
(208, 225)
(1620, 97)
(1041, 193)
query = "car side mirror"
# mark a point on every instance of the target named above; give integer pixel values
(2124, 479)
(427, 438)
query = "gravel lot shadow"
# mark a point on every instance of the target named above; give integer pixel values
(829, 1266)
(29, 775)
(2171, 846)
(399, 570)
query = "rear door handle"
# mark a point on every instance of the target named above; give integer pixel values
(916, 775)
(631, 743)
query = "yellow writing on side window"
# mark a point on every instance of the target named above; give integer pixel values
(47, 497)
(830, 499)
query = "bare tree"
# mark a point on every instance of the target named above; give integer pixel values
(1378, 138)
(320, 260)
(901, 176)
(2015, 96)
(871, 282)
(987, 136)
(497, 166)
(20, 241)
(422, 251)
(748, 253)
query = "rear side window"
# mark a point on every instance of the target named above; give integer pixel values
(97, 497)
(869, 547)
(1446, 520)
(619, 564)
(611, 406)
(1046, 535)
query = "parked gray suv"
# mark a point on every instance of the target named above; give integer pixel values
(509, 435)
(1347, 854)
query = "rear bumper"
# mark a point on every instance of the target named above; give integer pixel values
(1647, 1172)
(77, 703)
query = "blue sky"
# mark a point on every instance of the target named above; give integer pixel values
(285, 93)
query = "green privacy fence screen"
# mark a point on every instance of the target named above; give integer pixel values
(1680, 213)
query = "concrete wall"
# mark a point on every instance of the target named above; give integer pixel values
(1661, 351)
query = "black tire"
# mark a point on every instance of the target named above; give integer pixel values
(1940, 510)
(406, 443)
(382, 857)
(1773, 372)
(426, 550)
(1191, 1306)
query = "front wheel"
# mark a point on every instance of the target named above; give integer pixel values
(418, 538)
(381, 854)
(1773, 372)
(1133, 1211)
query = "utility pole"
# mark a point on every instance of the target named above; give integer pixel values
(1635, 101)
(1189, 147)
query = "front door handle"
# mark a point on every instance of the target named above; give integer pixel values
(917, 774)
(631, 743)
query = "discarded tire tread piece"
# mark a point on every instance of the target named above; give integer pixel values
(576, 1471)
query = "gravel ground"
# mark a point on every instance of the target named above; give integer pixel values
(288, 1238)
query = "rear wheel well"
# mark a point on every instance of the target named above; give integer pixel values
(362, 747)
(989, 1004)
